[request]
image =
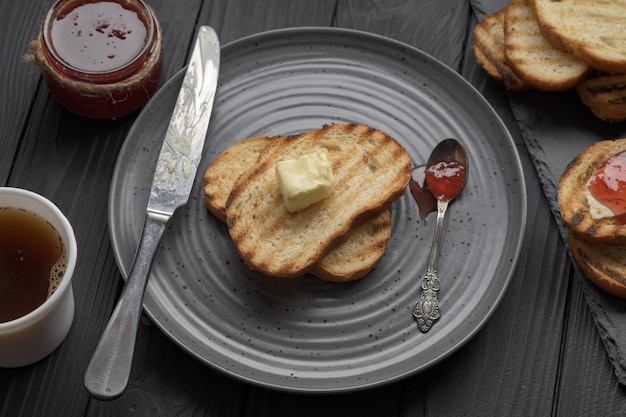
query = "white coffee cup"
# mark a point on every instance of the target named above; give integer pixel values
(34, 336)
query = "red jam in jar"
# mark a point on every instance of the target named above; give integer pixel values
(101, 59)
(608, 185)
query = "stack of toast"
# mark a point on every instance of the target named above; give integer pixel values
(598, 245)
(340, 238)
(556, 46)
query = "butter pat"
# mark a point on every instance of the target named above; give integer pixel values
(305, 180)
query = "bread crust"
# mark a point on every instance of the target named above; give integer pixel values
(573, 203)
(520, 46)
(605, 95)
(592, 30)
(604, 265)
(351, 260)
(488, 48)
(359, 254)
(535, 60)
(371, 170)
(224, 170)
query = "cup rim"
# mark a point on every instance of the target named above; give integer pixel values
(70, 246)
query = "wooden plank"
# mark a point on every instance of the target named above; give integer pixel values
(437, 27)
(234, 20)
(588, 385)
(19, 80)
(165, 381)
(382, 401)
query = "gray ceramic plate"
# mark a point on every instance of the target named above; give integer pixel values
(304, 334)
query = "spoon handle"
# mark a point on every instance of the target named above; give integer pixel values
(426, 309)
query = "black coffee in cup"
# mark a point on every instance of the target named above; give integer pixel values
(32, 262)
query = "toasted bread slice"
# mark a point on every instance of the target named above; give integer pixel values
(221, 175)
(532, 57)
(359, 254)
(605, 95)
(352, 260)
(593, 30)
(488, 47)
(604, 265)
(573, 203)
(371, 170)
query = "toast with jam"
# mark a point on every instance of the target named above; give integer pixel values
(584, 220)
(591, 197)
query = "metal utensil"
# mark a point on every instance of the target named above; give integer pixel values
(426, 310)
(109, 369)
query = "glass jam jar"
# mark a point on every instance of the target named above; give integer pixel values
(100, 59)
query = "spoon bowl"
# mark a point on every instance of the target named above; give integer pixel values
(448, 150)
(446, 176)
(446, 170)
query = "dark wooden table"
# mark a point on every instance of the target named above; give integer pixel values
(539, 354)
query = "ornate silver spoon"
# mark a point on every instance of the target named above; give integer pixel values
(446, 176)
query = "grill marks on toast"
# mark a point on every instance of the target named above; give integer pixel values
(604, 265)
(532, 57)
(351, 260)
(488, 47)
(594, 31)
(339, 264)
(219, 179)
(605, 95)
(522, 47)
(279, 243)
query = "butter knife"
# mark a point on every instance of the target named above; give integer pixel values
(108, 371)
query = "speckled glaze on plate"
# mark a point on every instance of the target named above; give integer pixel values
(303, 334)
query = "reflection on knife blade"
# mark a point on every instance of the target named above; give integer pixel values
(184, 139)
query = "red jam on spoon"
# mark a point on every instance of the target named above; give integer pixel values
(446, 175)
(608, 185)
(445, 179)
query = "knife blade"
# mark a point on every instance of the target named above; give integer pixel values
(108, 371)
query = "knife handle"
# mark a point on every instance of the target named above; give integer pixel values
(108, 371)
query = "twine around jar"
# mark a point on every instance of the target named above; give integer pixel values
(36, 56)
